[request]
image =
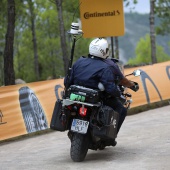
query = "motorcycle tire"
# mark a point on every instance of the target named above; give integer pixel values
(79, 147)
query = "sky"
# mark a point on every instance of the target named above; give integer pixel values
(143, 6)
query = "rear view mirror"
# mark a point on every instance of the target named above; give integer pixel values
(137, 73)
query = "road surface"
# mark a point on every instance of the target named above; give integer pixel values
(143, 144)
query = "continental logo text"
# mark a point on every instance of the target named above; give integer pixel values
(88, 15)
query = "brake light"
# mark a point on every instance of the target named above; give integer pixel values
(83, 111)
(69, 107)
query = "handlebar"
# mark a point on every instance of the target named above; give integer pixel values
(135, 87)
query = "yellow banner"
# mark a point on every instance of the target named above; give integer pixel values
(102, 18)
(28, 107)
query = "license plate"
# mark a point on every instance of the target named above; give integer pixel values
(79, 126)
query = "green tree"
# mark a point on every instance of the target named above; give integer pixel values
(51, 62)
(143, 52)
(48, 45)
(24, 58)
(31, 13)
(50, 54)
(62, 34)
(162, 10)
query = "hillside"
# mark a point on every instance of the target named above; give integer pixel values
(136, 27)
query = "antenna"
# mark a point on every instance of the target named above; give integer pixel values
(74, 25)
(74, 31)
(76, 10)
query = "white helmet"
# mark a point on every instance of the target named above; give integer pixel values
(99, 47)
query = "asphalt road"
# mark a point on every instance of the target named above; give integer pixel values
(143, 144)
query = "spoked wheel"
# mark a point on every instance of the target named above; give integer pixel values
(79, 147)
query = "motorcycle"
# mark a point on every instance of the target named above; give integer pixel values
(90, 124)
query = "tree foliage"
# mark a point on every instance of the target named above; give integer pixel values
(162, 10)
(143, 52)
(50, 56)
(127, 2)
(50, 60)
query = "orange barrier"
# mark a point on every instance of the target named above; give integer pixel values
(28, 107)
(153, 82)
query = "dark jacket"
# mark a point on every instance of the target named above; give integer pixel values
(116, 70)
(88, 72)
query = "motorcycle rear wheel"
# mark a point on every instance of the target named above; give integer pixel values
(79, 147)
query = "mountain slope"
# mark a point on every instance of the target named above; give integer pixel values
(136, 27)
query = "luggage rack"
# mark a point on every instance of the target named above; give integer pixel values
(67, 102)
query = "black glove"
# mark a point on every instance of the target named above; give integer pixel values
(135, 87)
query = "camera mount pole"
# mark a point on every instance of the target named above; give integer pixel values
(75, 31)
(70, 62)
(72, 53)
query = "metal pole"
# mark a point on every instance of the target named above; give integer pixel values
(70, 65)
(112, 47)
(117, 47)
(72, 51)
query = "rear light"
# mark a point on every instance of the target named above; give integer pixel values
(69, 107)
(83, 111)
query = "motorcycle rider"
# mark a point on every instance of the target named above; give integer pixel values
(89, 71)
